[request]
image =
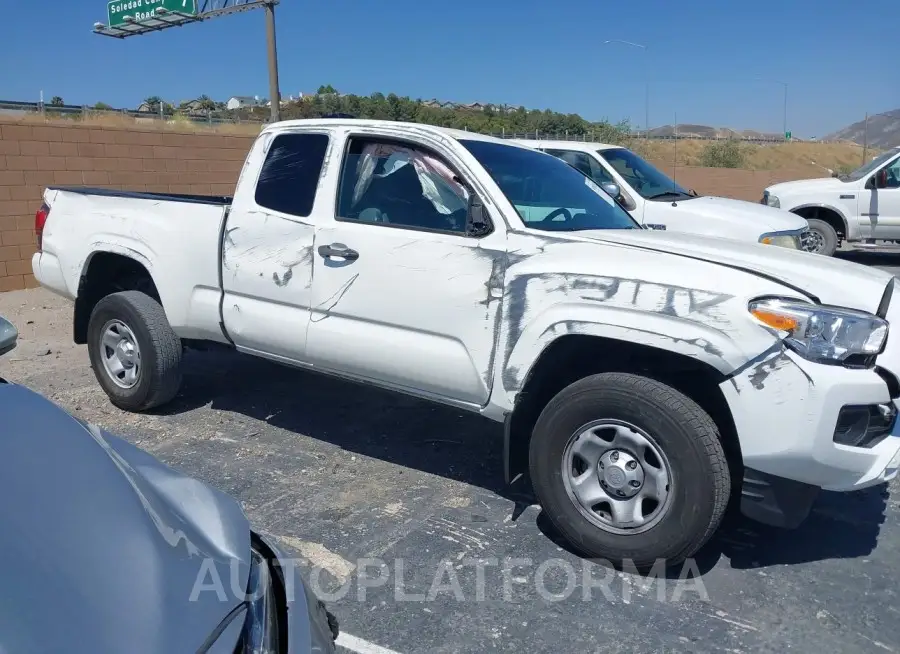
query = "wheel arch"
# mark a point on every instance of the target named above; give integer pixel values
(106, 272)
(828, 213)
(573, 356)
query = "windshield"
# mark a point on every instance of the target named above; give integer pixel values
(548, 193)
(642, 177)
(870, 167)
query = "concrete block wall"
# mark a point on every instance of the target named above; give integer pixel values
(35, 156)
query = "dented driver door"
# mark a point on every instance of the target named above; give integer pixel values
(402, 296)
(267, 249)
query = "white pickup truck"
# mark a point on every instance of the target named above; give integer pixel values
(659, 202)
(861, 207)
(644, 378)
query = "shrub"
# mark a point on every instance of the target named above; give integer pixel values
(723, 154)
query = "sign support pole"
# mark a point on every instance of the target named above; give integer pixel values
(274, 93)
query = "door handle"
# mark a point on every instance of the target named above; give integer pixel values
(338, 250)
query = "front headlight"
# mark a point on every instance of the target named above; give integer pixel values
(771, 200)
(824, 334)
(261, 626)
(789, 240)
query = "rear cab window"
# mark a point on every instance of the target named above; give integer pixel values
(290, 173)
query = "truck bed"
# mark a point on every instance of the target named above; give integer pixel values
(223, 200)
(175, 237)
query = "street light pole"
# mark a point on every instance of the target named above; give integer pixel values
(785, 130)
(274, 93)
(646, 80)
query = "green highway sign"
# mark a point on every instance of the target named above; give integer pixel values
(138, 10)
(787, 136)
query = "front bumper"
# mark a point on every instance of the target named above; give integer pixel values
(785, 410)
(308, 629)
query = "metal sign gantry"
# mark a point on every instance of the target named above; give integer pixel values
(127, 18)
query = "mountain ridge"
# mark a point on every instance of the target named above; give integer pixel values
(882, 132)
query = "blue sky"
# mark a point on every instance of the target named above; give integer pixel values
(709, 61)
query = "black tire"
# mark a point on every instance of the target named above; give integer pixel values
(159, 376)
(700, 477)
(826, 232)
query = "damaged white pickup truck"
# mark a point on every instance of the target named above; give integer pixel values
(644, 378)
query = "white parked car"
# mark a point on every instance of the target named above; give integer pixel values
(658, 202)
(862, 207)
(644, 377)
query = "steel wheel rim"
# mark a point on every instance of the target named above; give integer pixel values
(120, 353)
(816, 241)
(617, 476)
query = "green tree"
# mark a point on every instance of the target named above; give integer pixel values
(153, 102)
(492, 119)
(723, 154)
(102, 106)
(57, 101)
(207, 103)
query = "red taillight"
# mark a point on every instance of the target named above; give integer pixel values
(40, 219)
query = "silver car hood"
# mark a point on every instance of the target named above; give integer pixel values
(103, 544)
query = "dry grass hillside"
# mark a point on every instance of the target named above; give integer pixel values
(837, 156)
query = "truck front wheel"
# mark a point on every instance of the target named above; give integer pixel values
(629, 470)
(135, 354)
(823, 239)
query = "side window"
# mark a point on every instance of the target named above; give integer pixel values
(599, 174)
(401, 185)
(893, 174)
(584, 163)
(577, 160)
(290, 174)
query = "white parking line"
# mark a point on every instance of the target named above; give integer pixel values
(361, 646)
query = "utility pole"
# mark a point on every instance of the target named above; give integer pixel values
(785, 110)
(865, 138)
(274, 93)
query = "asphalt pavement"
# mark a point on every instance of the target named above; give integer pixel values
(398, 511)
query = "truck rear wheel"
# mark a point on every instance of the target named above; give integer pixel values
(629, 470)
(135, 354)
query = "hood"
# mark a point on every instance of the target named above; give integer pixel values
(830, 281)
(804, 185)
(104, 544)
(756, 216)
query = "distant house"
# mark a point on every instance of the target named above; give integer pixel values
(192, 107)
(245, 102)
(433, 103)
(474, 106)
(146, 108)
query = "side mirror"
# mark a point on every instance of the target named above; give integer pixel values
(478, 223)
(8, 336)
(612, 189)
(881, 178)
